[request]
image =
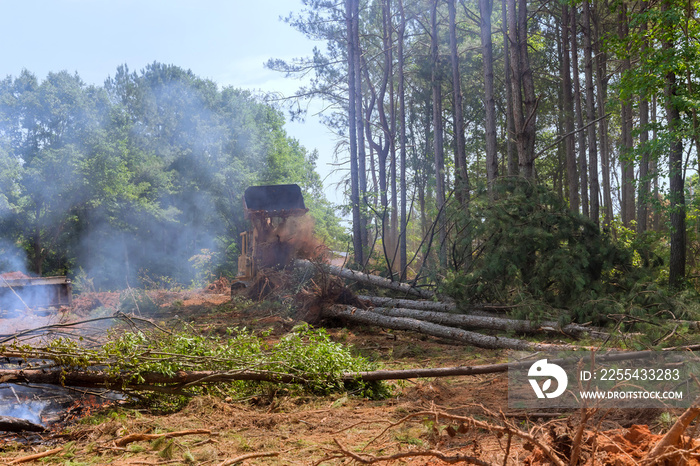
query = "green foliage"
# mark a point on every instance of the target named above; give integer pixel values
(305, 352)
(203, 263)
(530, 248)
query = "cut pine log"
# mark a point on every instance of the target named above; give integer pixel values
(439, 306)
(467, 337)
(369, 279)
(487, 322)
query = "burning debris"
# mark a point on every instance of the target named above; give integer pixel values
(35, 407)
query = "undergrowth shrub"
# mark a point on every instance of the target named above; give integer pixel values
(527, 247)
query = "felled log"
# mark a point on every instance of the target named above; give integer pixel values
(382, 301)
(369, 279)
(102, 379)
(13, 424)
(74, 377)
(439, 306)
(485, 322)
(467, 337)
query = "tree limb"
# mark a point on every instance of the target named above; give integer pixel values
(44, 454)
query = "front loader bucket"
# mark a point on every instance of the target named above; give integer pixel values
(276, 200)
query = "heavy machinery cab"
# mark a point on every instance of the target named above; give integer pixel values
(268, 208)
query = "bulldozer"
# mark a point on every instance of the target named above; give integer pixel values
(265, 244)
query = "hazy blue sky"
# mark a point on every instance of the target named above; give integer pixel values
(227, 41)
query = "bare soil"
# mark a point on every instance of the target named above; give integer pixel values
(311, 430)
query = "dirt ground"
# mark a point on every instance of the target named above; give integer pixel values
(330, 430)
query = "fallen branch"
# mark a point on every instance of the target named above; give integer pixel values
(44, 454)
(152, 381)
(369, 279)
(466, 424)
(371, 459)
(248, 456)
(13, 424)
(171, 384)
(487, 322)
(127, 439)
(353, 314)
(48, 328)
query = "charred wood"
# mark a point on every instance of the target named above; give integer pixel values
(13, 424)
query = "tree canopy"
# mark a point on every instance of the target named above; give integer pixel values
(132, 179)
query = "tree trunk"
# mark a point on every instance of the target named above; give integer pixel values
(485, 11)
(643, 196)
(511, 154)
(515, 78)
(530, 99)
(389, 63)
(369, 279)
(361, 150)
(675, 167)
(524, 101)
(438, 147)
(462, 178)
(590, 116)
(402, 144)
(350, 10)
(601, 93)
(568, 107)
(628, 210)
(656, 220)
(383, 148)
(578, 111)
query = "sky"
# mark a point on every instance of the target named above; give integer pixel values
(227, 41)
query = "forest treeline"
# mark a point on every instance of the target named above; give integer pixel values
(506, 150)
(141, 178)
(444, 104)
